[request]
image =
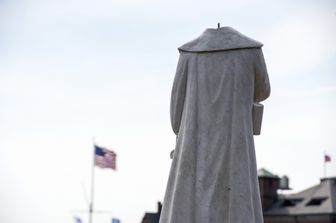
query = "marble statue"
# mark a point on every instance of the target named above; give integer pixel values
(221, 77)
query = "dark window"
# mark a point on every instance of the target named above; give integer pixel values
(316, 201)
(290, 202)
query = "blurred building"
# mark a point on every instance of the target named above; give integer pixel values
(316, 204)
(153, 217)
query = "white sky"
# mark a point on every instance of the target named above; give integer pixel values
(74, 69)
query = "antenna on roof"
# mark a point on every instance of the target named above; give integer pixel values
(218, 25)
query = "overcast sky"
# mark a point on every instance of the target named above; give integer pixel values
(71, 70)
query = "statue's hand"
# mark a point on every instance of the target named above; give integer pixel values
(172, 154)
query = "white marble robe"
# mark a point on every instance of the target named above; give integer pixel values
(213, 176)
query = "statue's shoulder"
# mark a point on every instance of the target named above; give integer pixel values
(225, 38)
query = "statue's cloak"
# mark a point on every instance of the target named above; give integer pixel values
(213, 176)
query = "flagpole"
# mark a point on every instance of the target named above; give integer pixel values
(92, 183)
(324, 165)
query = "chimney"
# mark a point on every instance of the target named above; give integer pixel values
(268, 185)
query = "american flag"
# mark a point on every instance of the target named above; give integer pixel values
(105, 158)
(115, 220)
(77, 220)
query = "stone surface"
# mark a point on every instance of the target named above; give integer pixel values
(213, 176)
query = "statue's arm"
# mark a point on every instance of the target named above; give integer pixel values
(178, 93)
(262, 88)
(262, 91)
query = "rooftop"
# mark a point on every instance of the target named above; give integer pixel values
(319, 199)
(265, 173)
